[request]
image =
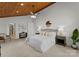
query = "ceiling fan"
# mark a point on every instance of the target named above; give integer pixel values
(32, 13)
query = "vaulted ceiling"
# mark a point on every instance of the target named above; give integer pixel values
(10, 9)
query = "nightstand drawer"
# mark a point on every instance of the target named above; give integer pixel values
(61, 40)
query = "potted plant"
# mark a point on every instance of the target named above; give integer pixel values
(75, 38)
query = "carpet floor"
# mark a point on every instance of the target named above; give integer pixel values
(19, 48)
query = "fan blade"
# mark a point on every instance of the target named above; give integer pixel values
(36, 14)
(31, 13)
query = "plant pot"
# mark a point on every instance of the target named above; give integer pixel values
(74, 46)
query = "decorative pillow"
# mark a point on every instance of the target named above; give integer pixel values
(45, 34)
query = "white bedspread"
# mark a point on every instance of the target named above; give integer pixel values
(41, 43)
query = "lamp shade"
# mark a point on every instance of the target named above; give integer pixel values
(61, 31)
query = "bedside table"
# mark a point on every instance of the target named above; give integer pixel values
(23, 35)
(61, 40)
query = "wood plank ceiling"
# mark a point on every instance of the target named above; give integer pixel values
(10, 9)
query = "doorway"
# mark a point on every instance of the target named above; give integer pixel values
(12, 31)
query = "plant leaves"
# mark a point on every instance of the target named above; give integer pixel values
(77, 40)
(75, 34)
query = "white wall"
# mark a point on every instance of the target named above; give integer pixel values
(61, 14)
(23, 20)
(2, 27)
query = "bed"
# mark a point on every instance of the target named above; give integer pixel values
(41, 43)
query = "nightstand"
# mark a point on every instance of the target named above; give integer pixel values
(61, 40)
(22, 35)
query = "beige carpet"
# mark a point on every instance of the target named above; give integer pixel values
(19, 48)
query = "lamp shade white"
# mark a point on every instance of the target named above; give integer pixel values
(61, 31)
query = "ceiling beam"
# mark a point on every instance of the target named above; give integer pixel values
(45, 7)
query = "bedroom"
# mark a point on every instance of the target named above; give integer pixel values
(59, 14)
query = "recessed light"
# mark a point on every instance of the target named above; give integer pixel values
(17, 11)
(21, 4)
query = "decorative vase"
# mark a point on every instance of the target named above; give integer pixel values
(48, 25)
(74, 46)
